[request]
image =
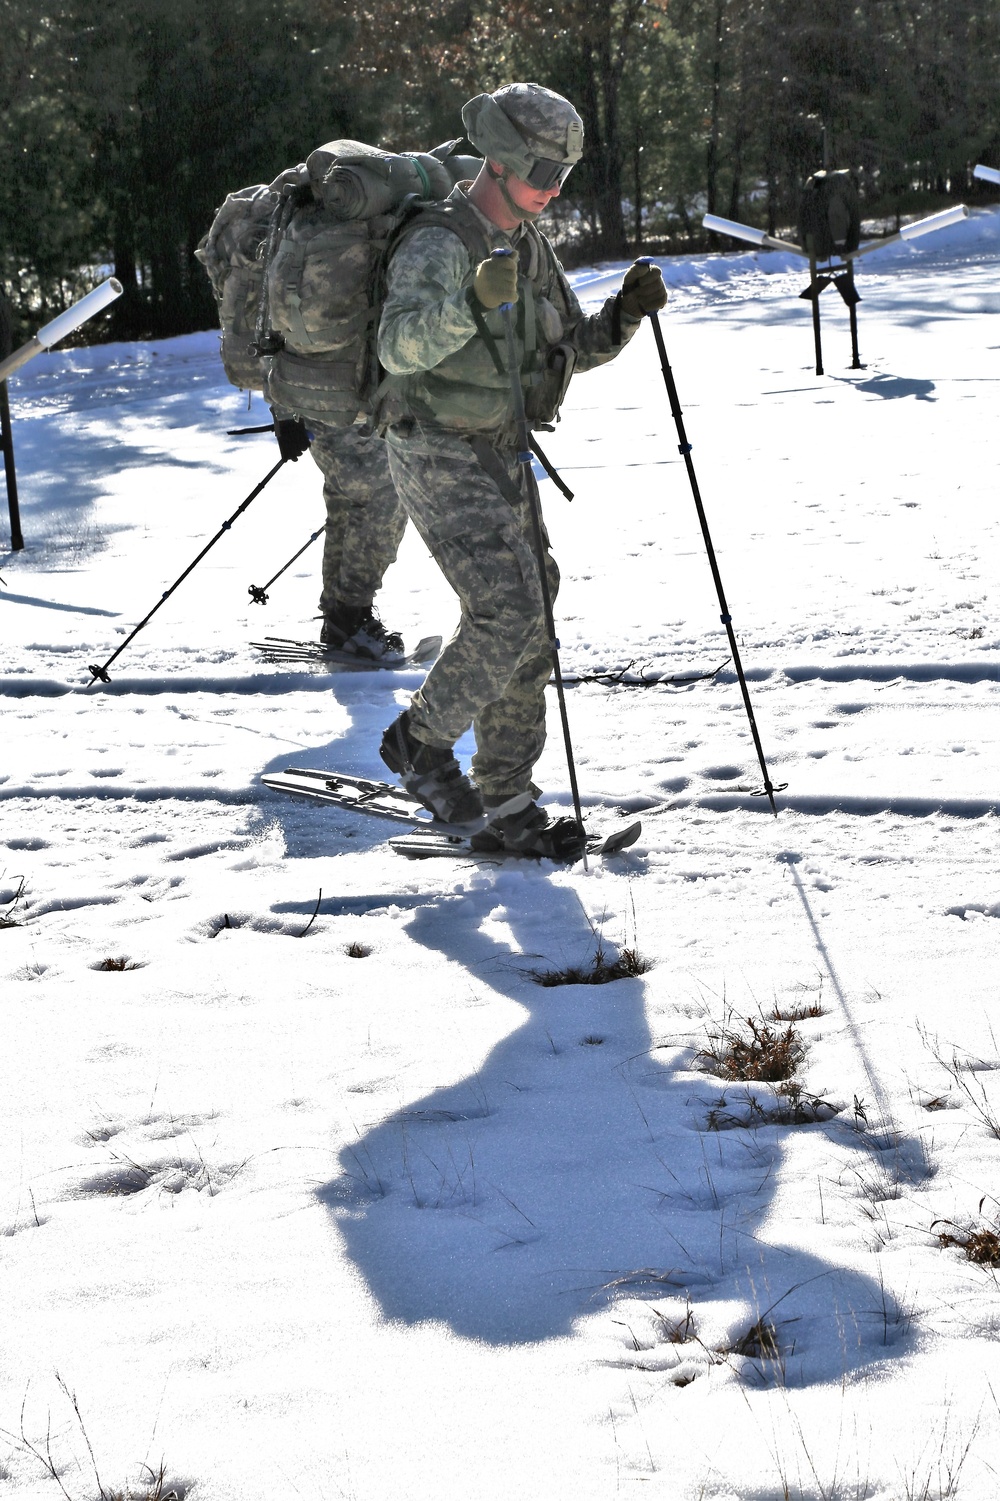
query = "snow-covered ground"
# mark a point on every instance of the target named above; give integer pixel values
(403, 1223)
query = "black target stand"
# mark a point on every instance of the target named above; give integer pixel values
(830, 232)
(830, 229)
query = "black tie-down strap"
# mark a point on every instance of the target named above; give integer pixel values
(546, 464)
(492, 464)
(490, 461)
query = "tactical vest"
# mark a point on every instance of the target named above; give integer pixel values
(469, 391)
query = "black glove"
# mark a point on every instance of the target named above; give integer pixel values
(642, 290)
(293, 440)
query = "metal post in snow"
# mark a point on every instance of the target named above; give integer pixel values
(58, 328)
(6, 432)
(10, 474)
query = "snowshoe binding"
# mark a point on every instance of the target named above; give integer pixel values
(518, 826)
(431, 774)
(357, 629)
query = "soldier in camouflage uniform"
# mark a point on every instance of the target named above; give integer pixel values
(448, 419)
(365, 521)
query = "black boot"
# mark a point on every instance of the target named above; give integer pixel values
(518, 826)
(434, 777)
(357, 628)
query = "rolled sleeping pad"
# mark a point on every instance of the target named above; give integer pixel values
(358, 181)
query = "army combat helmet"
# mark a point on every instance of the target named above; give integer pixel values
(532, 132)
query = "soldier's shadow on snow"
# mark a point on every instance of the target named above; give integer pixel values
(574, 1165)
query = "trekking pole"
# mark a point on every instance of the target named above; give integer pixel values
(684, 448)
(102, 672)
(524, 459)
(258, 592)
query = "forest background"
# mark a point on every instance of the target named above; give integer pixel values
(124, 123)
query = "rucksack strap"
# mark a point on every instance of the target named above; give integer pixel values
(476, 309)
(291, 198)
(492, 465)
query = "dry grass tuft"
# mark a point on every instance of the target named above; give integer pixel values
(800, 1013)
(789, 1106)
(119, 965)
(628, 966)
(357, 951)
(677, 1331)
(981, 1246)
(152, 1489)
(7, 917)
(762, 1055)
(760, 1342)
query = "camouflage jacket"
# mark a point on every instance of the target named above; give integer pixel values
(446, 356)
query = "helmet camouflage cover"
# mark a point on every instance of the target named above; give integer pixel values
(524, 123)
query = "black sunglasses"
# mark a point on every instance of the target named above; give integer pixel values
(545, 174)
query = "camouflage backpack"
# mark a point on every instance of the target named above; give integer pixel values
(295, 266)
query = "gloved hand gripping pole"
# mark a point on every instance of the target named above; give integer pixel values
(534, 505)
(684, 448)
(101, 673)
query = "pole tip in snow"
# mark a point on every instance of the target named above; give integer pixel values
(257, 594)
(768, 790)
(99, 674)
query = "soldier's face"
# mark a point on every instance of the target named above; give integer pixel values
(532, 200)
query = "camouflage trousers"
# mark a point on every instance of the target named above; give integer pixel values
(492, 673)
(364, 518)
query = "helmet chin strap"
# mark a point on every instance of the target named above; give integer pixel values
(500, 178)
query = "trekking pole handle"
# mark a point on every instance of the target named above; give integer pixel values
(498, 254)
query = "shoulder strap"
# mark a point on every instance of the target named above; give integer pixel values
(449, 215)
(444, 215)
(291, 198)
